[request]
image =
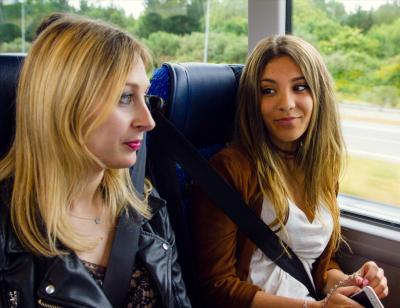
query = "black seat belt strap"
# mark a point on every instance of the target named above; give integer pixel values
(122, 261)
(227, 199)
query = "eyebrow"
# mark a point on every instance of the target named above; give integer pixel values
(293, 79)
(135, 85)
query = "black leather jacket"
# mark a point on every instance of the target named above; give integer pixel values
(30, 281)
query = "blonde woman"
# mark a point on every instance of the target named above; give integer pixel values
(285, 161)
(81, 115)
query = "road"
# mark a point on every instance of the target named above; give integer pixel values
(376, 141)
(371, 131)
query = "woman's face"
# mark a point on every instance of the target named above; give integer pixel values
(116, 140)
(286, 102)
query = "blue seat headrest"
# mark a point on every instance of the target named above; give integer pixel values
(200, 99)
(10, 66)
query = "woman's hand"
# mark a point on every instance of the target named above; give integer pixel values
(340, 298)
(375, 278)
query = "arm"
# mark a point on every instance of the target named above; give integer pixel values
(181, 299)
(340, 299)
(215, 237)
(216, 255)
(218, 277)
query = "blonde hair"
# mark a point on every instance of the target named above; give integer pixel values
(319, 157)
(74, 64)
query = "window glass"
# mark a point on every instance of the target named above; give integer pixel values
(174, 30)
(360, 43)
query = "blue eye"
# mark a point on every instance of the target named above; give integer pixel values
(126, 99)
(267, 91)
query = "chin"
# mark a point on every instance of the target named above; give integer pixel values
(289, 139)
(121, 164)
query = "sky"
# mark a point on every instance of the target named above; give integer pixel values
(352, 5)
(131, 7)
(135, 7)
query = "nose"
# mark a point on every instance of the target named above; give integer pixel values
(143, 119)
(286, 101)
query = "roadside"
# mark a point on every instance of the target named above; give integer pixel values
(366, 176)
(369, 113)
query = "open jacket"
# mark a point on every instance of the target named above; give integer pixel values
(30, 281)
(222, 252)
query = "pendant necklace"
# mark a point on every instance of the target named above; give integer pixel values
(96, 219)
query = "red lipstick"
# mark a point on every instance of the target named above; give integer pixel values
(134, 145)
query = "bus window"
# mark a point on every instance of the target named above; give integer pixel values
(212, 31)
(359, 41)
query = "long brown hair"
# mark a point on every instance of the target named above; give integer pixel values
(320, 157)
(76, 67)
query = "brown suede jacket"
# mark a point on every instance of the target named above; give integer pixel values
(223, 253)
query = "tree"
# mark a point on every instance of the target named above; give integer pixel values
(149, 23)
(332, 8)
(9, 32)
(360, 19)
(388, 38)
(387, 13)
(177, 16)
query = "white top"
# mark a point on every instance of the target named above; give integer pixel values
(307, 240)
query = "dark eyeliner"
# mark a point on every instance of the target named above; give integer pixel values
(126, 98)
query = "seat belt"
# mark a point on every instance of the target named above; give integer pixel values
(126, 242)
(138, 171)
(174, 144)
(121, 261)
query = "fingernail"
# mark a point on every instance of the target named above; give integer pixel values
(365, 282)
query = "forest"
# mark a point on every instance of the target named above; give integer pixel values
(361, 48)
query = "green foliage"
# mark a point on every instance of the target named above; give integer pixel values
(15, 45)
(388, 38)
(9, 32)
(149, 23)
(236, 24)
(222, 48)
(361, 49)
(389, 72)
(163, 45)
(360, 19)
(333, 9)
(387, 96)
(174, 16)
(387, 13)
(191, 48)
(227, 48)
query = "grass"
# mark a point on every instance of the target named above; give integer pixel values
(372, 179)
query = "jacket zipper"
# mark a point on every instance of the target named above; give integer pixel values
(42, 303)
(13, 299)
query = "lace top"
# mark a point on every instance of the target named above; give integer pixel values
(142, 291)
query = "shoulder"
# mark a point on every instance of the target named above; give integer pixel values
(158, 223)
(7, 237)
(235, 165)
(233, 154)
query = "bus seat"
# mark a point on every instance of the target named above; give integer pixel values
(200, 100)
(10, 65)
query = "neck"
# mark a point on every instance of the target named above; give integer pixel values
(89, 200)
(287, 153)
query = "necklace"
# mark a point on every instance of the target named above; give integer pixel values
(96, 220)
(285, 154)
